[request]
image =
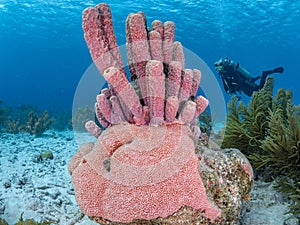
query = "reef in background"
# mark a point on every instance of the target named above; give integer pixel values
(30, 119)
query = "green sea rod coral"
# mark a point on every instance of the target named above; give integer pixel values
(268, 132)
(281, 147)
(247, 126)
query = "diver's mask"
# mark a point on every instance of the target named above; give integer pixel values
(221, 64)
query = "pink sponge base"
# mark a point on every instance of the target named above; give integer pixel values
(99, 194)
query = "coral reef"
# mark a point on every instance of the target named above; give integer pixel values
(81, 116)
(3, 115)
(13, 126)
(62, 120)
(268, 132)
(24, 118)
(36, 124)
(143, 168)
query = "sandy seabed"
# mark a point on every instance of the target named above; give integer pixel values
(42, 189)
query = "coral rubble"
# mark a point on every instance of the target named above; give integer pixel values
(143, 169)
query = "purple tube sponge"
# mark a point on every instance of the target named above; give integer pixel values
(174, 79)
(168, 39)
(172, 106)
(178, 54)
(155, 91)
(143, 167)
(124, 91)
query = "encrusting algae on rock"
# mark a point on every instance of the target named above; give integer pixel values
(143, 168)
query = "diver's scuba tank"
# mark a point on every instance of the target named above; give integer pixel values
(242, 73)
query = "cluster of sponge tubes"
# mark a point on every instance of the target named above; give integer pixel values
(164, 93)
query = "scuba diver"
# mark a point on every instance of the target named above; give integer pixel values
(237, 79)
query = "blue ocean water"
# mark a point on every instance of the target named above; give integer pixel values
(43, 54)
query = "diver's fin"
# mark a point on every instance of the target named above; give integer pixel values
(278, 70)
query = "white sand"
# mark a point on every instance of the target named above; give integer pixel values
(43, 190)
